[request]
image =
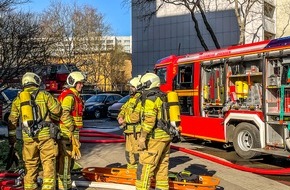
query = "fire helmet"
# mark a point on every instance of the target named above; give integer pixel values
(75, 77)
(149, 81)
(30, 78)
(135, 82)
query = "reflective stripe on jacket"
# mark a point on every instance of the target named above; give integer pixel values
(48, 106)
(126, 113)
(151, 111)
(72, 111)
(148, 113)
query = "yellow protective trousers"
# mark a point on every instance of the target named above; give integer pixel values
(64, 164)
(153, 163)
(131, 152)
(42, 151)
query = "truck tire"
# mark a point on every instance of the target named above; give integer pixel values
(246, 136)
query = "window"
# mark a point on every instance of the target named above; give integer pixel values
(185, 74)
(116, 97)
(162, 74)
(110, 99)
(268, 35)
(269, 10)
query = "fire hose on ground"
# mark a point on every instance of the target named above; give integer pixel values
(120, 138)
(113, 138)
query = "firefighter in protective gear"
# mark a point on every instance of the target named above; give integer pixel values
(153, 143)
(131, 129)
(41, 147)
(70, 123)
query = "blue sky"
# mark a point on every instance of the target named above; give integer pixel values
(115, 13)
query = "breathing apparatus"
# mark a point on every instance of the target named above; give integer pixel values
(28, 107)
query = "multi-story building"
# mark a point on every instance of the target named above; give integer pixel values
(108, 42)
(171, 30)
(96, 54)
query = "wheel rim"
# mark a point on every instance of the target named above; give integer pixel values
(245, 140)
(97, 114)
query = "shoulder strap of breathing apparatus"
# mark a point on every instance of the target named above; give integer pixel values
(164, 122)
(138, 99)
(152, 95)
(30, 112)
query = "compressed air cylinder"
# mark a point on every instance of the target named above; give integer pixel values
(245, 89)
(26, 108)
(206, 92)
(174, 110)
(239, 89)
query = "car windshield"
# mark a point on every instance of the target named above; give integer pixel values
(124, 99)
(97, 98)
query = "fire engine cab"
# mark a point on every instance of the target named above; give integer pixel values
(55, 75)
(238, 95)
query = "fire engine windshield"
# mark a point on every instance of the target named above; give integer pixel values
(161, 72)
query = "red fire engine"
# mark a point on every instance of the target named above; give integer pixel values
(55, 75)
(238, 95)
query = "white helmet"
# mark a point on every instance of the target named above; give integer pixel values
(149, 81)
(135, 82)
(75, 77)
(30, 78)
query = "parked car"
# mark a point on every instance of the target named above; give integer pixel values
(6, 98)
(114, 109)
(97, 105)
(85, 97)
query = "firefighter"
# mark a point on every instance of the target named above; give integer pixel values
(131, 129)
(39, 144)
(70, 123)
(153, 143)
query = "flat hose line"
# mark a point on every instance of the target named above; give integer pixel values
(120, 138)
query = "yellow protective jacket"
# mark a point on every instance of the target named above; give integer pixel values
(49, 108)
(148, 113)
(68, 121)
(126, 110)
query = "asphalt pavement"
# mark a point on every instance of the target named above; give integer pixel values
(112, 155)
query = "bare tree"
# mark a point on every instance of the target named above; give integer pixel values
(21, 48)
(116, 70)
(8, 5)
(58, 25)
(283, 18)
(90, 31)
(79, 34)
(247, 12)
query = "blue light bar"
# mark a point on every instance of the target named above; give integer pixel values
(279, 42)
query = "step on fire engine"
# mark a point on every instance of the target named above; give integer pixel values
(238, 95)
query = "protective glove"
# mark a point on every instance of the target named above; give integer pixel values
(142, 141)
(75, 153)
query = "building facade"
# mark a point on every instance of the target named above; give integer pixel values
(171, 30)
(108, 42)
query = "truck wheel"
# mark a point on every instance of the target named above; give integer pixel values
(246, 136)
(97, 114)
